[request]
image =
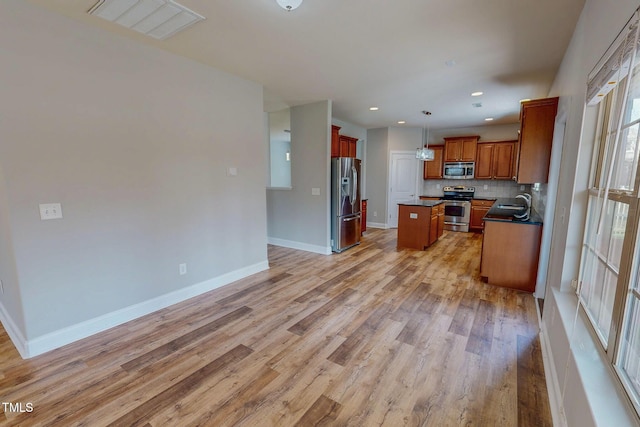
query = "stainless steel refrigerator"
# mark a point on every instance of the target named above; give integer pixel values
(345, 203)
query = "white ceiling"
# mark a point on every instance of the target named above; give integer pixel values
(391, 54)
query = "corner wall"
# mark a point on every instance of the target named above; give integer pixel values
(138, 146)
(296, 218)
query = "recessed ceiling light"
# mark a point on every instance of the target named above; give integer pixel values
(373, 108)
(401, 122)
(477, 93)
(488, 119)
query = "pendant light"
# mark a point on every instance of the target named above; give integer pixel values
(424, 153)
(289, 5)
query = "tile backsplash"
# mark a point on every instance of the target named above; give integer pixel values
(494, 188)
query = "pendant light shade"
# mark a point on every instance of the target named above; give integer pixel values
(289, 5)
(425, 153)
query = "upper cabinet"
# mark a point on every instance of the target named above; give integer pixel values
(460, 148)
(537, 120)
(335, 141)
(342, 145)
(433, 168)
(496, 160)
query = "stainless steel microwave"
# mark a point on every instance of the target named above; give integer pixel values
(459, 170)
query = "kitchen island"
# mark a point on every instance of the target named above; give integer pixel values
(420, 223)
(511, 245)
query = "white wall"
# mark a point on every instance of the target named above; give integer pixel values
(572, 360)
(296, 218)
(135, 143)
(377, 154)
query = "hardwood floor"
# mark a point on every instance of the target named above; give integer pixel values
(371, 337)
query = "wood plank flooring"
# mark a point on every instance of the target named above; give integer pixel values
(374, 336)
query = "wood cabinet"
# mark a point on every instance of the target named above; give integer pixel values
(348, 146)
(479, 209)
(510, 253)
(342, 145)
(433, 168)
(460, 148)
(418, 226)
(363, 216)
(335, 141)
(496, 160)
(537, 121)
(440, 209)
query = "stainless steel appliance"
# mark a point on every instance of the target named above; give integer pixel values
(459, 170)
(345, 203)
(457, 207)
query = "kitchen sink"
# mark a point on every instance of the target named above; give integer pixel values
(513, 207)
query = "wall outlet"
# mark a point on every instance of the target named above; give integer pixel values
(486, 187)
(50, 211)
(437, 186)
(315, 191)
(375, 213)
(522, 188)
(183, 269)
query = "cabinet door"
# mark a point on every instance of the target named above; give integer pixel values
(433, 168)
(335, 141)
(503, 160)
(477, 213)
(440, 221)
(484, 161)
(433, 228)
(353, 147)
(468, 150)
(344, 146)
(452, 150)
(537, 121)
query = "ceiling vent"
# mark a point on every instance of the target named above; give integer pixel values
(156, 18)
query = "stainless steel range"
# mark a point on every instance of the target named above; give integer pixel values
(457, 207)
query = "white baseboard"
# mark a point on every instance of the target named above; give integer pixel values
(18, 339)
(59, 338)
(553, 384)
(377, 225)
(299, 245)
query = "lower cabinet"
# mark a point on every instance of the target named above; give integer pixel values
(419, 226)
(510, 253)
(479, 209)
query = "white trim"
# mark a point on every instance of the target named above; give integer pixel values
(13, 331)
(61, 337)
(323, 250)
(551, 376)
(377, 225)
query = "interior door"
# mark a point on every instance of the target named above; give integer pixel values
(403, 182)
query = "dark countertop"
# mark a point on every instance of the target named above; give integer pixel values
(475, 198)
(425, 203)
(496, 213)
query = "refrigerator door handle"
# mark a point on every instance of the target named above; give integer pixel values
(354, 187)
(353, 218)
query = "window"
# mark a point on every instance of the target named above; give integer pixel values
(609, 281)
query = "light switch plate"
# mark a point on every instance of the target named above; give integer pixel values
(315, 191)
(50, 211)
(232, 171)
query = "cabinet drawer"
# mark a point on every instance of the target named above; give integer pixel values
(485, 203)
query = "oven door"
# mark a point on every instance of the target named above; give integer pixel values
(457, 214)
